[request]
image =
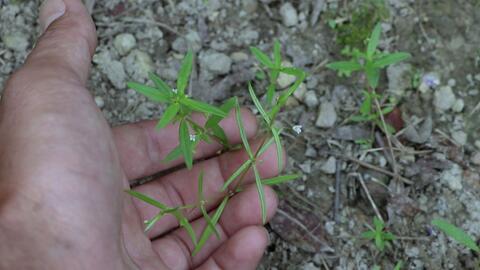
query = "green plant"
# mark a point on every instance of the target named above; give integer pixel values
(179, 110)
(378, 234)
(456, 233)
(359, 22)
(371, 61)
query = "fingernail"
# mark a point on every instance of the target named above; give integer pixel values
(50, 10)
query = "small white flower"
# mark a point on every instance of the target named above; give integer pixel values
(297, 129)
(193, 137)
(174, 90)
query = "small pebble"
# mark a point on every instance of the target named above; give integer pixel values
(458, 105)
(310, 99)
(460, 137)
(100, 102)
(476, 158)
(289, 14)
(124, 43)
(327, 116)
(300, 92)
(444, 98)
(330, 166)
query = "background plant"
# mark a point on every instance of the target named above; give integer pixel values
(457, 234)
(378, 234)
(180, 108)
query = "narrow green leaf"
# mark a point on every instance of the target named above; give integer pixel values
(160, 84)
(258, 104)
(147, 199)
(262, 57)
(374, 40)
(373, 76)
(183, 222)
(284, 97)
(237, 173)
(219, 133)
(201, 199)
(379, 242)
(265, 146)
(186, 144)
(379, 225)
(366, 107)
(277, 54)
(456, 233)
(280, 179)
(278, 143)
(398, 266)
(390, 59)
(368, 235)
(202, 107)
(168, 115)
(270, 93)
(261, 193)
(208, 231)
(243, 135)
(149, 224)
(184, 73)
(150, 92)
(345, 66)
(173, 155)
(226, 107)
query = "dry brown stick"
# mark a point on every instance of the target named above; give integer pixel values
(376, 168)
(367, 192)
(336, 207)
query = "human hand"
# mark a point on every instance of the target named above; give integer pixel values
(63, 172)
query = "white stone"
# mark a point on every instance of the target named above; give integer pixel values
(458, 105)
(124, 43)
(289, 14)
(460, 137)
(216, 63)
(476, 158)
(138, 65)
(330, 166)
(285, 80)
(327, 116)
(310, 99)
(99, 101)
(453, 177)
(300, 92)
(444, 98)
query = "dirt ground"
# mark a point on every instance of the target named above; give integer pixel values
(437, 92)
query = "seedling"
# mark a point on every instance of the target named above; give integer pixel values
(378, 234)
(180, 108)
(370, 62)
(457, 234)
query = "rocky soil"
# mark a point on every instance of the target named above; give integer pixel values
(437, 147)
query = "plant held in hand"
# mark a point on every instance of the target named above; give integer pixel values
(179, 110)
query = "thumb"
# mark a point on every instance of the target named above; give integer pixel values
(67, 43)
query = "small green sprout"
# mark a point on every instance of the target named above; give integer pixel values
(378, 234)
(457, 234)
(179, 110)
(370, 61)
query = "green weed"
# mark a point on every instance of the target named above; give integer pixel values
(180, 108)
(378, 234)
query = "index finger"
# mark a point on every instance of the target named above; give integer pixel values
(142, 148)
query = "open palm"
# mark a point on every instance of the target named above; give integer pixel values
(63, 172)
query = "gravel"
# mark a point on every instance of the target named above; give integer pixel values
(289, 14)
(138, 65)
(329, 167)
(310, 99)
(124, 43)
(216, 63)
(327, 116)
(444, 98)
(452, 177)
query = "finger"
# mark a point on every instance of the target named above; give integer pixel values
(243, 210)
(180, 187)
(243, 251)
(142, 147)
(64, 50)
